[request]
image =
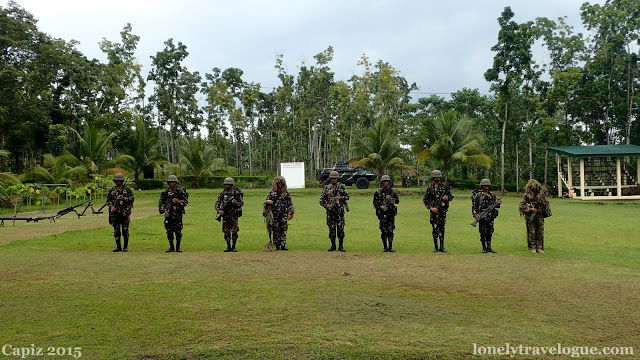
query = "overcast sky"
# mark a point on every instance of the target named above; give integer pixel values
(442, 46)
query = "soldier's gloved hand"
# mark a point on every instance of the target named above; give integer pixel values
(290, 217)
(383, 208)
(337, 198)
(166, 214)
(113, 209)
(534, 210)
(176, 201)
(500, 202)
(269, 202)
(434, 210)
(329, 207)
(388, 197)
(120, 197)
(445, 198)
(477, 216)
(220, 212)
(235, 202)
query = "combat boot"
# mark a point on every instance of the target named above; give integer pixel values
(391, 245)
(126, 244)
(283, 247)
(178, 240)
(435, 245)
(489, 249)
(442, 249)
(540, 251)
(118, 246)
(384, 245)
(533, 251)
(484, 245)
(228, 246)
(233, 246)
(171, 248)
(333, 245)
(340, 245)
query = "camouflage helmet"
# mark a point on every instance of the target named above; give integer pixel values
(228, 181)
(385, 178)
(172, 178)
(334, 175)
(485, 182)
(436, 174)
(118, 177)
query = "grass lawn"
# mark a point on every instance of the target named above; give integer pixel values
(61, 286)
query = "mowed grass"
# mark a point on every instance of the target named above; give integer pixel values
(61, 285)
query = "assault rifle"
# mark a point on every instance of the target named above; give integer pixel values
(70, 209)
(337, 204)
(226, 206)
(488, 210)
(390, 205)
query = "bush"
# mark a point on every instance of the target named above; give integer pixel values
(151, 184)
(215, 182)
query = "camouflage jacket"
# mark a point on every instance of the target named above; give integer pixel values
(481, 201)
(540, 203)
(282, 204)
(326, 198)
(123, 207)
(225, 203)
(166, 202)
(433, 197)
(380, 199)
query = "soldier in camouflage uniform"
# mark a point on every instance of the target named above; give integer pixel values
(334, 199)
(279, 203)
(436, 199)
(480, 201)
(120, 200)
(534, 206)
(171, 204)
(384, 202)
(229, 207)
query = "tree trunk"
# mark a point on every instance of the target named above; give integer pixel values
(546, 162)
(530, 158)
(504, 131)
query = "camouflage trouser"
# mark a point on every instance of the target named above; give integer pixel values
(121, 228)
(336, 225)
(387, 225)
(230, 225)
(173, 225)
(486, 230)
(535, 234)
(280, 227)
(438, 222)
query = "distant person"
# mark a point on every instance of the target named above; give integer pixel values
(120, 201)
(279, 204)
(436, 198)
(384, 202)
(481, 201)
(229, 207)
(534, 206)
(554, 190)
(172, 202)
(334, 199)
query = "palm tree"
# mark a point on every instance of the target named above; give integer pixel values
(6, 179)
(93, 146)
(199, 160)
(454, 141)
(62, 169)
(381, 150)
(143, 150)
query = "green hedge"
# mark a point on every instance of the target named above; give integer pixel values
(151, 184)
(215, 182)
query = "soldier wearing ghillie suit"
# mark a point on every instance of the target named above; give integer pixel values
(334, 199)
(534, 206)
(229, 207)
(384, 202)
(120, 201)
(436, 198)
(172, 202)
(480, 201)
(279, 204)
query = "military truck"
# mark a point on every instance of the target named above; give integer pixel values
(348, 175)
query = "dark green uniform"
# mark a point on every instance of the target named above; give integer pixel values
(173, 222)
(120, 216)
(386, 217)
(433, 198)
(335, 216)
(281, 208)
(232, 212)
(479, 202)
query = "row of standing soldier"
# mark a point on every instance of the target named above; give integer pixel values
(278, 208)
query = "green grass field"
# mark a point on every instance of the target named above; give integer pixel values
(61, 286)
